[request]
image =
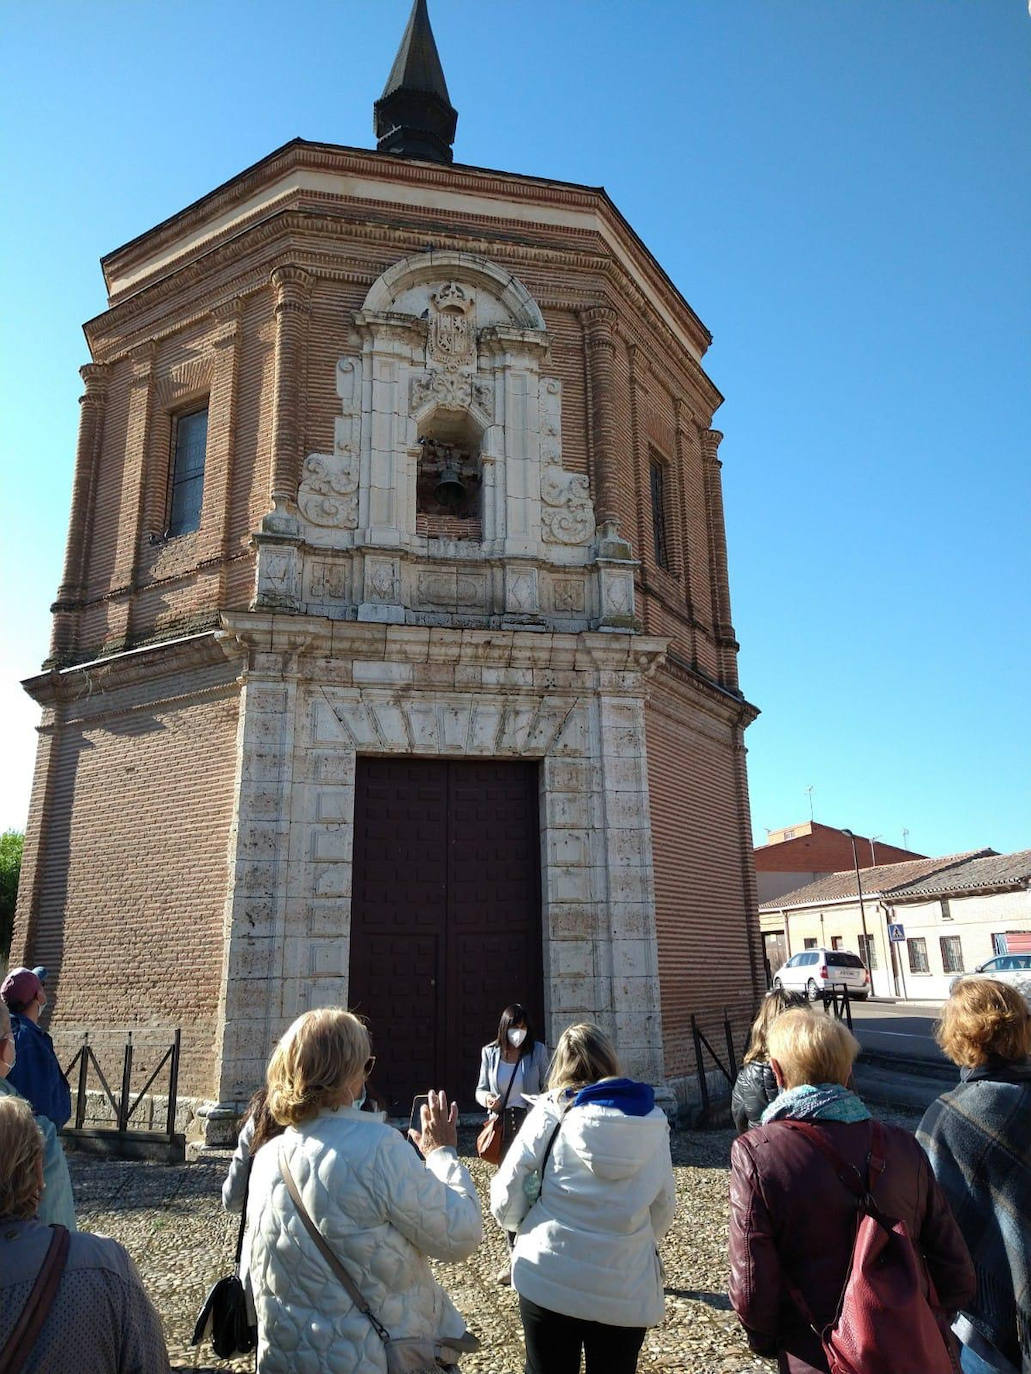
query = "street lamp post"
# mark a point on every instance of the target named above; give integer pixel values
(862, 908)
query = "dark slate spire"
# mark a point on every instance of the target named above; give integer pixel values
(414, 116)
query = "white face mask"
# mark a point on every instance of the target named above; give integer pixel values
(9, 1041)
(516, 1038)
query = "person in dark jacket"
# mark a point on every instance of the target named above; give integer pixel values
(755, 1086)
(978, 1139)
(37, 1074)
(792, 1220)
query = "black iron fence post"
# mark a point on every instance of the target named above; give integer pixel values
(728, 1035)
(703, 1086)
(173, 1084)
(123, 1101)
(80, 1096)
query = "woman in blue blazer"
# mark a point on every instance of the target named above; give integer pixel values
(513, 1069)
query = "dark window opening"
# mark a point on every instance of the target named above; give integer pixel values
(844, 960)
(189, 446)
(659, 527)
(809, 944)
(447, 489)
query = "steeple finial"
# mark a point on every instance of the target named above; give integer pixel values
(414, 116)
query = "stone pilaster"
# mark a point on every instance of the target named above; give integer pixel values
(251, 1014)
(92, 403)
(293, 306)
(726, 643)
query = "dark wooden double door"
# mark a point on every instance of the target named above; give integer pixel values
(445, 915)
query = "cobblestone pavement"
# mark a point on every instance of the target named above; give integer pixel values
(170, 1219)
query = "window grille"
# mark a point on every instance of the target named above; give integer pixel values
(952, 953)
(917, 948)
(868, 951)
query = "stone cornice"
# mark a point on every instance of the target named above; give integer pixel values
(286, 236)
(317, 636)
(102, 676)
(331, 158)
(701, 692)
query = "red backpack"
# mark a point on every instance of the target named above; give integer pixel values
(887, 1320)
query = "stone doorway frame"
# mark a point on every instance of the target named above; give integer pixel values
(317, 692)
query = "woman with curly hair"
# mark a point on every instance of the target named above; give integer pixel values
(978, 1139)
(381, 1208)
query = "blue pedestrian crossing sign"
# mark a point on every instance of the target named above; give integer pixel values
(897, 934)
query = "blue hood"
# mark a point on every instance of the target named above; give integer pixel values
(633, 1099)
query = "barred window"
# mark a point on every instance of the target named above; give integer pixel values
(189, 446)
(659, 515)
(868, 951)
(952, 953)
(917, 948)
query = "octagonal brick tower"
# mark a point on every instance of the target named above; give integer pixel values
(392, 662)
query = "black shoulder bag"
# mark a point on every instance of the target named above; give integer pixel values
(225, 1313)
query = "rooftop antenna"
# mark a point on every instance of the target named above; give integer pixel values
(905, 838)
(809, 789)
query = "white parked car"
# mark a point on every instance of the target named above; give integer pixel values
(816, 971)
(1014, 969)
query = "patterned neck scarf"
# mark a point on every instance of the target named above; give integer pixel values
(816, 1102)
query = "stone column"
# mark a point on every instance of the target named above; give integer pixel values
(92, 404)
(293, 306)
(134, 487)
(726, 643)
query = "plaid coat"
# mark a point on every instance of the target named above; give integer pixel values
(978, 1139)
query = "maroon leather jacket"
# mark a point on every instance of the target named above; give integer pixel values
(791, 1215)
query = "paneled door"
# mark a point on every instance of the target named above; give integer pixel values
(445, 915)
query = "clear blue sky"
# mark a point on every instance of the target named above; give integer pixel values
(840, 188)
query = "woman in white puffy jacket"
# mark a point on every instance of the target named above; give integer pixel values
(588, 1186)
(381, 1208)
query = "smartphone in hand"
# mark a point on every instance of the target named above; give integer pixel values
(415, 1120)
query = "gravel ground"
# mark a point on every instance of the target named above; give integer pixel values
(171, 1221)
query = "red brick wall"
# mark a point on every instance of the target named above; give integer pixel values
(124, 892)
(826, 850)
(705, 903)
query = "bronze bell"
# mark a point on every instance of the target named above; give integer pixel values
(450, 490)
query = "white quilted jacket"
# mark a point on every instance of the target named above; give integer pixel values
(383, 1210)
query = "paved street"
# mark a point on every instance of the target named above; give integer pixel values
(171, 1221)
(902, 1028)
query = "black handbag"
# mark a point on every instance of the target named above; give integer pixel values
(224, 1316)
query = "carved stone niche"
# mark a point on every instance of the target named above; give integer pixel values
(448, 451)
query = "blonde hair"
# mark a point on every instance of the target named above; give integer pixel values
(318, 1055)
(984, 1017)
(21, 1157)
(811, 1048)
(774, 1004)
(583, 1055)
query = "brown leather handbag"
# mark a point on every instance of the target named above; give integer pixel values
(490, 1141)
